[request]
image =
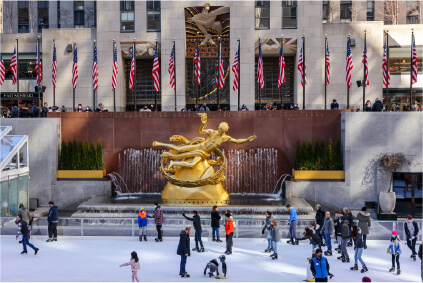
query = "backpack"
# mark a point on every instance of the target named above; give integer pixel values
(35, 111)
(345, 230)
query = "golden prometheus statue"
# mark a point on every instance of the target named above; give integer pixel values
(191, 176)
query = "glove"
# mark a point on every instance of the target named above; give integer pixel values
(388, 251)
(183, 213)
(397, 254)
(262, 231)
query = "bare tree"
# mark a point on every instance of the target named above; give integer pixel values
(32, 13)
(333, 9)
(355, 9)
(396, 10)
(65, 16)
(89, 15)
(8, 15)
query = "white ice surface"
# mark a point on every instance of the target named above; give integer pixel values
(97, 259)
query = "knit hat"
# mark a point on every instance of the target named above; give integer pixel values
(142, 208)
(395, 233)
(364, 208)
(366, 279)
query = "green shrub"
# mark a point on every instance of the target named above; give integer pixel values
(92, 162)
(86, 155)
(63, 156)
(331, 156)
(338, 155)
(80, 154)
(99, 156)
(323, 155)
(317, 156)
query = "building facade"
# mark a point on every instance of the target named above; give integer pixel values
(157, 24)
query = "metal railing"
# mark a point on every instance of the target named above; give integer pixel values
(245, 227)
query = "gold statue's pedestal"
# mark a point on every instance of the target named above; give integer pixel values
(204, 195)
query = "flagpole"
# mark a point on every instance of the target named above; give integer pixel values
(93, 78)
(174, 71)
(387, 70)
(114, 89)
(364, 70)
(155, 92)
(17, 71)
(73, 96)
(218, 72)
(348, 88)
(259, 87)
(39, 72)
(281, 47)
(304, 67)
(411, 68)
(326, 72)
(135, 72)
(196, 82)
(54, 87)
(239, 73)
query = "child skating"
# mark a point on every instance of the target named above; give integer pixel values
(395, 250)
(359, 247)
(135, 266)
(142, 223)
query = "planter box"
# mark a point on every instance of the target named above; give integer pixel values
(81, 174)
(317, 175)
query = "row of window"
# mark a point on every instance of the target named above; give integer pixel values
(127, 16)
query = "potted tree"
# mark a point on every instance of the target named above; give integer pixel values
(388, 164)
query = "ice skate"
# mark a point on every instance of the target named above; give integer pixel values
(340, 257)
(330, 275)
(328, 253)
(218, 240)
(392, 269)
(145, 238)
(355, 267)
(365, 246)
(289, 241)
(346, 259)
(49, 240)
(23, 253)
(140, 238)
(349, 244)
(398, 271)
(36, 251)
(158, 240)
(201, 250)
(364, 269)
(275, 256)
(186, 275)
(196, 249)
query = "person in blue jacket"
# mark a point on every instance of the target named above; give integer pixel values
(142, 223)
(320, 267)
(52, 219)
(292, 225)
(395, 250)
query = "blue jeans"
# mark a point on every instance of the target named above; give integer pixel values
(292, 229)
(183, 263)
(25, 242)
(364, 238)
(275, 247)
(357, 256)
(198, 238)
(328, 240)
(269, 240)
(215, 232)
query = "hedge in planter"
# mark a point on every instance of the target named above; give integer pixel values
(81, 156)
(321, 157)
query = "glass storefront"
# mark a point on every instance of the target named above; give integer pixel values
(14, 191)
(408, 191)
(399, 98)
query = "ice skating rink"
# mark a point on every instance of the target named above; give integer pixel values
(96, 259)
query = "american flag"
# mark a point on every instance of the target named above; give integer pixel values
(115, 69)
(54, 66)
(172, 67)
(349, 64)
(155, 72)
(327, 64)
(75, 68)
(2, 70)
(132, 72)
(197, 64)
(366, 67)
(95, 69)
(260, 77)
(14, 67)
(235, 69)
(386, 76)
(221, 70)
(38, 66)
(414, 62)
(300, 66)
(281, 73)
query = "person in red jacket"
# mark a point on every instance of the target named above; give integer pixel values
(229, 229)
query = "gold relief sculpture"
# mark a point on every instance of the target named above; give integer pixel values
(190, 174)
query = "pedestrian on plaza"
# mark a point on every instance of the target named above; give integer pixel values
(348, 216)
(411, 231)
(158, 220)
(152, 108)
(368, 106)
(79, 108)
(229, 229)
(52, 219)
(44, 110)
(196, 222)
(135, 266)
(23, 229)
(184, 250)
(276, 237)
(35, 111)
(244, 108)
(15, 112)
(99, 108)
(145, 109)
(364, 223)
(204, 107)
(266, 227)
(320, 267)
(327, 232)
(359, 248)
(320, 220)
(142, 223)
(215, 224)
(27, 217)
(88, 109)
(334, 105)
(345, 235)
(63, 109)
(292, 222)
(378, 105)
(395, 250)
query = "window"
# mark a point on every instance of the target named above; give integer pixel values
(346, 11)
(42, 15)
(326, 9)
(23, 16)
(153, 15)
(78, 14)
(262, 14)
(413, 15)
(370, 10)
(289, 14)
(58, 14)
(26, 65)
(127, 16)
(400, 60)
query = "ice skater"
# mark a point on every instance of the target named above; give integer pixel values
(213, 266)
(184, 250)
(359, 247)
(292, 222)
(23, 229)
(196, 222)
(327, 232)
(345, 235)
(158, 220)
(320, 267)
(142, 223)
(314, 239)
(215, 224)
(27, 217)
(52, 219)
(229, 230)
(135, 266)
(266, 227)
(276, 237)
(411, 231)
(395, 250)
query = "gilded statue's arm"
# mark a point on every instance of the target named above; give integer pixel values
(201, 130)
(242, 140)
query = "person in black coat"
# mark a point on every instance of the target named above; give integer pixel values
(52, 219)
(411, 231)
(196, 222)
(378, 105)
(320, 220)
(215, 224)
(184, 250)
(348, 216)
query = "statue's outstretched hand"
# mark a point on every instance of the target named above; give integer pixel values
(203, 117)
(251, 138)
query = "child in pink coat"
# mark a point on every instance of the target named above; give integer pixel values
(135, 266)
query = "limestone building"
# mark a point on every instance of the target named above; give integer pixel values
(146, 23)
